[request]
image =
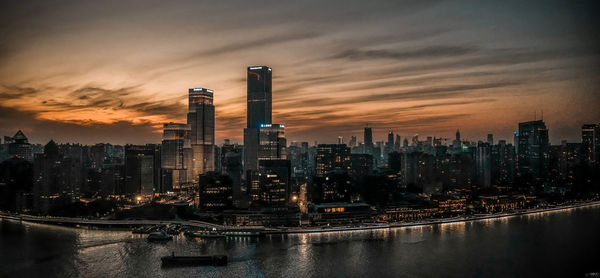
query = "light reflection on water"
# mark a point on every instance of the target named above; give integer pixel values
(549, 243)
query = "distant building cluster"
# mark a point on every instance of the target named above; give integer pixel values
(268, 181)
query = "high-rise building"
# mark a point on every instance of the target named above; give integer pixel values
(332, 157)
(352, 142)
(490, 139)
(19, 147)
(273, 183)
(360, 165)
(532, 155)
(484, 165)
(215, 192)
(389, 145)
(590, 143)
(142, 169)
(368, 140)
(272, 142)
(503, 163)
(398, 143)
(176, 155)
(231, 160)
(457, 143)
(201, 119)
(259, 105)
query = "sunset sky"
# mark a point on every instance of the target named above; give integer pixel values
(101, 71)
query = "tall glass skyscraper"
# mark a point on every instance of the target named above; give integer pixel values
(259, 94)
(175, 155)
(532, 153)
(201, 119)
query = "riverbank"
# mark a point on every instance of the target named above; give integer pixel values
(128, 224)
(435, 221)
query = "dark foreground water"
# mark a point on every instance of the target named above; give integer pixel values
(564, 243)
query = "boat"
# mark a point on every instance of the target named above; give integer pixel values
(173, 261)
(204, 234)
(158, 236)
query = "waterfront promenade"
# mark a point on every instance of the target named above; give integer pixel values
(127, 224)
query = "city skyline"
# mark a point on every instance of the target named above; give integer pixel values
(335, 68)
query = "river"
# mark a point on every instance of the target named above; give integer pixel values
(564, 243)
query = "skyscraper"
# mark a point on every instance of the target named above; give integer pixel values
(259, 102)
(176, 155)
(398, 143)
(142, 169)
(590, 143)
(19, 147)
(532, 156)
(368, 139)
(272, 143)
(201, 119)
(457, 143)
(332, 157)
(484, 164)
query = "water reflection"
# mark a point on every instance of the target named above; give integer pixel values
(537, 244)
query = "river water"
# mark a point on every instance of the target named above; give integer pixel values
(563, 243)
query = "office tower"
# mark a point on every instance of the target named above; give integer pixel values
(389, 145)
(273, 183)
(457, 143)
(298, 156)
(47, 173)
(361, 165)
(231, 157)
(142, 169)
(503, 163)
(332, 157)
(176, 156)
(272, 143)
(398, 143)
(19, 147)
(340, 140)
(484, 165)
(532, 156)
(368, 140)
(259, 102)
(215, 191)
(334, 187)
(590, 143)
(259, 96)
(490, 139)
(390, 140)
(352, 142)
(201, 119)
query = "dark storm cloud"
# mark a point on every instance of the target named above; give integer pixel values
(38, 130)
(16, 92)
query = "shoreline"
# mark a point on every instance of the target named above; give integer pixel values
(434, 221)
(128, 224)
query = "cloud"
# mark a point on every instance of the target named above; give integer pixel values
(41, 130)
(435, 51)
